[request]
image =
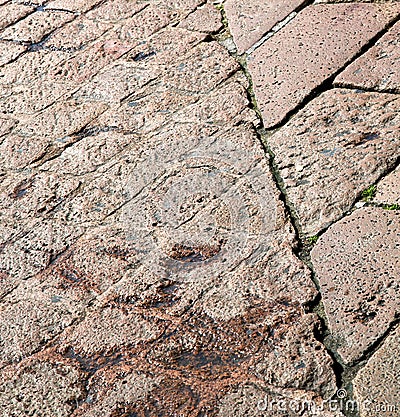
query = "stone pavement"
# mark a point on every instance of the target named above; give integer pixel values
(199, 208)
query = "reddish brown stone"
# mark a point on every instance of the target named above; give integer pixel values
(250, 20)
(357, 262)
(376, 386)
(310, 49)
(377, 68)
(333, 149)
(388, 189)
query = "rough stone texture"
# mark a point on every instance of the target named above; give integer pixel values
(332, 150)
(115, 10)
(11, 12)
(388, 189)
(47, 383)
(250, 400)
(205, 19)
(377, 68)
(250, 20)
(147, 263)
(377, 386)
(73, 5)
(9, 51)
(76, 35)
(357, 263)
(36, 26)
(310, 49)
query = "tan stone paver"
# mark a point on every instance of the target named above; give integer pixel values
(333, 149)
(377, 385)
(250, 20)
(388, 189)
(357, 263)
(311, 48)
(378, 69)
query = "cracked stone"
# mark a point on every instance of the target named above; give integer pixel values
(37, 25)
(250, 20)
(357, 262)
(116, 10)
(46, 383)
(332, 150)
(107, 394)
(11, 12)
(31, 98)
(377, 386)
(308, 50)
(73, 5)
(36, 312)
(76, 35)
(9, 51)
(34, 67)
(388, 189)
(205, 19)
(376, 69)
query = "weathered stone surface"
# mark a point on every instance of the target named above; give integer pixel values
(76, 35)
(357, 262)
(310, 49)
(143, 242)
(9, 51)
(46, 383)
(72, 5)
(35, 313)
(33, 67)
(34, 27)
(205, 19)
(388, 189)
(250, 400)
(11, 12)
(32, 97)
(111, 390)
(332, 150)
(250, 20)
(116, 10)
(377, 68)
(377, 386)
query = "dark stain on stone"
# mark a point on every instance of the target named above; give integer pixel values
(194, 254)
(92, 364)
(141, 56)
(22, 189)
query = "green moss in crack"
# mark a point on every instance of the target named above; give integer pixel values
(391, 206)
(312, 240)
(369, 193)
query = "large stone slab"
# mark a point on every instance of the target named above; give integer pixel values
(357, 263)
(333, 149)
(250, 20)
(376, 386)
(310, 49)
(377, 69)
